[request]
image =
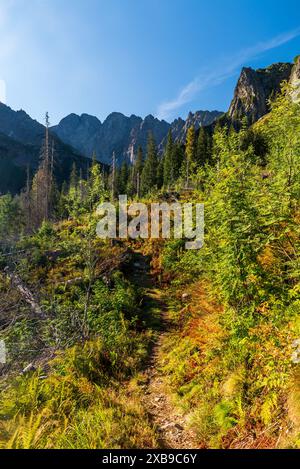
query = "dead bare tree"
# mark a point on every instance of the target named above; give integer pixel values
(42, 185)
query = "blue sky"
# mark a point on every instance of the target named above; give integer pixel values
(164, 57)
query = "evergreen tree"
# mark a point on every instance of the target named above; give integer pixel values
(96, 191)
(73, 176)
(139, 163)
(118, 183)
(123, 178)
(149, 173)
(178, 159)
(130, 187)
(138, 169)
(209, 143)
(25, 203)
(189, 153)
(10, 219)
(202, 150)
(113, 177)
(215, 145)
(160, 172)
(62, 211)
(168, 175)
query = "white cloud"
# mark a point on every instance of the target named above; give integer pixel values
(211, 78)
(185, 95)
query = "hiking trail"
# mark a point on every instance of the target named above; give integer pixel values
(170, 423)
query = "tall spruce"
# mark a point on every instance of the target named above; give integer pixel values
(96, 189)
(160, 172)
(73, 176)
(178, 159)
(202, 149)
(149, 173)
(123, 178)
(169, 162)
(189, 153)
(138, 168)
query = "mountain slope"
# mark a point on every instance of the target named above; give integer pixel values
(20, 141)
(12, 171)
(19, 126)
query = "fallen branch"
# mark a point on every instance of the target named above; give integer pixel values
(26, 294)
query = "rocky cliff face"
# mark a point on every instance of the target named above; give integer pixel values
(255, 88)
(122, 134)
(295, 80)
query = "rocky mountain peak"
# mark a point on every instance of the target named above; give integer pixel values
(254, 89)
(85, 120)
(115, 117)
(149, 117)
(74, 130)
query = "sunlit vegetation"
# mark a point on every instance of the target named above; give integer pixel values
(230, 357)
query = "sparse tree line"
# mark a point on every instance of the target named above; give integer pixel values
(178, 167)
(42, 199)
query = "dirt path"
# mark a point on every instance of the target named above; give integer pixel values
(170, 424)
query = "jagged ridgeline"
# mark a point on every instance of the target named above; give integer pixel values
(124, 135)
